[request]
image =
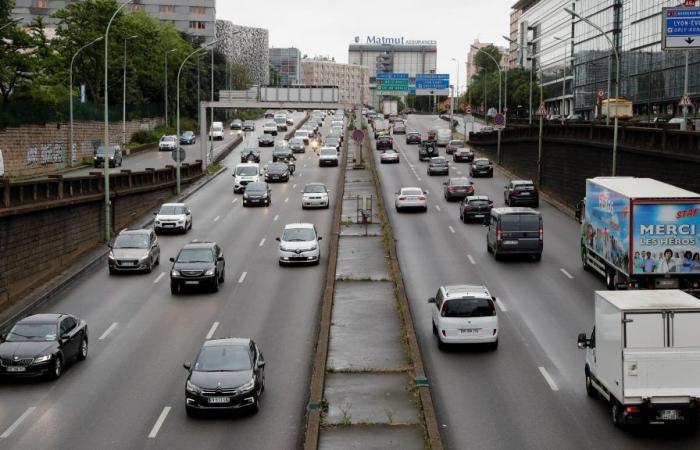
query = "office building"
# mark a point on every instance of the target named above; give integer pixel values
(513, 54)
(193, 17)
(352, 80)
(246, 46)
(471, 55)
(287, 62)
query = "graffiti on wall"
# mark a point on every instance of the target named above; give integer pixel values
(45, 154)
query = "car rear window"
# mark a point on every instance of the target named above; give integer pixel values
(520, 222)
(524, 187)
(411, 192)
(468, 307)
(479, 202)
(459, 182)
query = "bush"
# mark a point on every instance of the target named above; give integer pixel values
(143, 137)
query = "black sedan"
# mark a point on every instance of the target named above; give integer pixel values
(281, 153)
(228, 374)
(42, 344)
(475, 208)
(250, 155)
(257, 193)
(457, 188)
(438, 166)
(198, 264)
(266, 140)
(413, 137)
(187, 138)
(278, 171)
(481, 167)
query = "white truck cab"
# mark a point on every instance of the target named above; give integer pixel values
(245, 173)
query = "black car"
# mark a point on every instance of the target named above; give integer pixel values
(266, 140)
(521, 192)
(278, 171)
(115, 156)
(250, 155)
(187, 138)
(463, 154)
(248, 125)
(237, 124)
(42, 344)
(257, 193)
(228, 374)
(197, 264)
(481, 167)
(413, 137)
(475, 207)
(385, 142)
(427, 150)
(438, 165)
(281, 153)
(457, 188)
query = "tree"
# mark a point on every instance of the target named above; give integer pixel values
(15, 61)
(483, 61)
(275, 78)
(240, 78)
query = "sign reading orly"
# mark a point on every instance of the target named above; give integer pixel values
(383, 40)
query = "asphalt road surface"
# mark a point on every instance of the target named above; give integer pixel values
(528, 394)
(129, 393)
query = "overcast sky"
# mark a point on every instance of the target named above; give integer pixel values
(327, 27)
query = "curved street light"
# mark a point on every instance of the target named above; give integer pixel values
(70, 89)
(500, 110)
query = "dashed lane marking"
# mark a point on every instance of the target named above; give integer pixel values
(548, 378)
(262, 242)
(108, 331)
(17, 422)
(452, 230)
(567, 274)
(439, 209)
(160, 277)
(159, 423)
(500, 305)
(276, 217)
(471, 259)
(212, 330)
(242, 278)
(216, 219)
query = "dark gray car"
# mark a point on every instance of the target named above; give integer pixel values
(438, 166)
(115, 156)
(134, 251)
(515, 231)
(198, 264)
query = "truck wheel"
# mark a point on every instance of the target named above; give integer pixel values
(610, 279)
(616, 413)
(590, 390)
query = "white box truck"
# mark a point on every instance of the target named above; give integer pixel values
(643, 356)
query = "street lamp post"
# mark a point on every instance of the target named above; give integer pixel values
(11, 22)
(124, 91)
(541, 126)
(453, 100)
(167, 123)
(70, 89)
(563, 81)
(498, 130)
(108, 234)
(617, 82)
(177, 140)
(520, 47)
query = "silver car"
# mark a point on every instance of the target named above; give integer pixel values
(411, 198)
(134, 251)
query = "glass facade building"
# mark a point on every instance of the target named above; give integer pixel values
(286, 61)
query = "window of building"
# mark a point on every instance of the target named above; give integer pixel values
(197, 25)
(198, 10)
(41, 3)
(166, 9)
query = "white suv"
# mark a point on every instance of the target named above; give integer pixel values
(299, 244)
(173, 216)
(464, 314)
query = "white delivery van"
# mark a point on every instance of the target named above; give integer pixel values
(245, 173)
(443, 137)
(217, 131)
(643, 356)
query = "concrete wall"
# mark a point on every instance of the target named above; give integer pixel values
(37, 150)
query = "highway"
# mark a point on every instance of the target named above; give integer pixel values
(528, 394)
(129, 393)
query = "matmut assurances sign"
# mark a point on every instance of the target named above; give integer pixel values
(386, 40)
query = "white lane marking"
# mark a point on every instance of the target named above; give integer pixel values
(418, 177)
(471, 259)
(452, 230)
(159, 277)
(159, 422)
(304, 165)
(548, 378)
(212, 330)
(216, 219)
(240, 280)
(438, 208)
(234, 200)
(286, 199)
(262, 242)
(568, 275)
(17, 423)
(276, 217)
(500, 305)
(108, 330)
(294, 186)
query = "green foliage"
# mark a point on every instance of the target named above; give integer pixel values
(275, 77)
(518, 89)
(240, 78)
(484, 61)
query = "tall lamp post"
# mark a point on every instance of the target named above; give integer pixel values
(124, 90)
(498, 66)
(541, 116)
(70, 89)
(108, 234)
(617, 82)
(457, 90)
(563, 81)
(11, 22)
(520, 47)
(177, 148)
(167, 123)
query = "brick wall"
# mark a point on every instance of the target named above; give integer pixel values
(37, 150)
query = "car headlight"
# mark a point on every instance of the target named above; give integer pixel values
(191, 388)
(264, 195)
(180, 221)
(248, 386)
(144, 258)
(210, 272)
(42, 359)
(245, 195)
(285, 249)
(311, 249)
(175, 273)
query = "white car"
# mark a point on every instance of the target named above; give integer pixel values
(299, 244)
(304, 134)
(173, 216)
(389, 156)
(328, 156)
(411, 197)
(315, 195)
(167, 142)
(217, 131)
(245, 173)
(270, 128)
(464, 314)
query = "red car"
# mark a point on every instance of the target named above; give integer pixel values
(413, 137)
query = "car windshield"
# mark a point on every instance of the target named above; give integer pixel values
(413, 134)
(411, 192)
(296, 141)
(389, 152)
(281, 150)
(524, 187)
(332, 140)
(457, 143)
(187, 134)
(520, 222)
(223, 358)
(468, 307)
(32, 332)
(171, 209)
(280, 120)
(314, 188)
(271, 124)
(169, 138)
(298, 234)
(195, 255)
(302, 132)
(101, 151)
(438, 161)
(328, 152)
(132, 240)
(246, 171)
(459, 182)
(277, 167)
(247, 123)
(481, 162)
(256, 187)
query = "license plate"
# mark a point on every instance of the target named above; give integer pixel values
(219, 400)
(127, 263)
(510, 242)
(168, 225)
(16, 369)
(469, 330)
(191, 282)
(479, 216)
(669, 414)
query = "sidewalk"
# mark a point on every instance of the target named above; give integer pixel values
(370, 398)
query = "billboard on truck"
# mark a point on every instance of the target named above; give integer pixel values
(666, 238)
(607, 225)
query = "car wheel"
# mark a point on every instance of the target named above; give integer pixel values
(149, 269)
(328, 205)
(425, 209)
(488, 247)
(82, 354)
(441, 345)
(610, 279)
(537, 256)
(222, 278)
(616, 413)
(255, 407)
(215, 285)
(303, 207)
(435, 331)
(590, 390)
(464, 220)
(496, 255)
(245, 203)
(174, 287)
(112, 271)
(57, 370)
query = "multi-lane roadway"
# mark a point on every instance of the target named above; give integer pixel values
(528, 394)
(129, 393)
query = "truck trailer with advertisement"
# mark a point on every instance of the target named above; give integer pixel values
(640, 233)
(643, 356)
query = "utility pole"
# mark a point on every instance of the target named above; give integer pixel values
(124, 91)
